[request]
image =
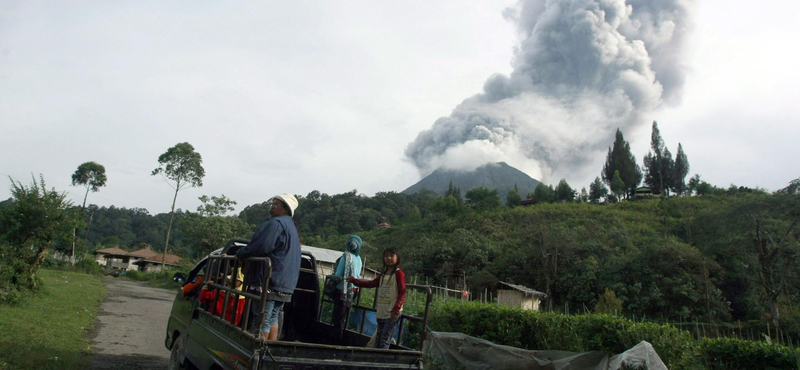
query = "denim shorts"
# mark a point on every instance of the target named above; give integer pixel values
(272, 310)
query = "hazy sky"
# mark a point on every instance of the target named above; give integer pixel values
(292, 97)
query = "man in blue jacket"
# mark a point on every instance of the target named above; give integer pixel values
(278, 240)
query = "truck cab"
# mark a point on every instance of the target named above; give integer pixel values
(210, 326)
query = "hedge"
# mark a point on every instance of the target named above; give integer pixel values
(606, 333)
(553, 331)
(728, 353)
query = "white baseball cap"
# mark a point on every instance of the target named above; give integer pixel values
(289, 200)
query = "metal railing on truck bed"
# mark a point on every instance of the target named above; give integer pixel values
(219, 283)
(423, 321)
(236, 307)
(222, 286)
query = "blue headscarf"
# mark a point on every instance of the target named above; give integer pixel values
(354, 244)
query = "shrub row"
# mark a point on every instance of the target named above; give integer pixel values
(86, 265)
(728, 353)
(606, 333)
(581, 333)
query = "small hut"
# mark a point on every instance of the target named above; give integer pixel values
(643, 192)
(518, 296)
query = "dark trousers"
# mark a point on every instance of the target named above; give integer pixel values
(385, 330)
(341, 307)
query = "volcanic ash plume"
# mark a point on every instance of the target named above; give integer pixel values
(582, 69)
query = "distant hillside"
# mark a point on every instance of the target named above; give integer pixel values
(498, 176)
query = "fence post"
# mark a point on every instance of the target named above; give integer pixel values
(769, 333)
(697, 328)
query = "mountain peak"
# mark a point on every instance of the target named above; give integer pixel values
(500, 176)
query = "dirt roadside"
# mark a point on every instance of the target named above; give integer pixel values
(131, 326)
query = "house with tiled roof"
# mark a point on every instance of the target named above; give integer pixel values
(143, 259)
(154, 263)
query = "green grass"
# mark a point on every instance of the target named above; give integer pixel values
(49, 329)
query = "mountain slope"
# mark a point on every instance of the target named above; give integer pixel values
(498, 176)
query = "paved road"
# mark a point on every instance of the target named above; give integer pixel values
(131, 326)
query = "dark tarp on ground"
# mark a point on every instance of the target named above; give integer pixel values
(461, 351)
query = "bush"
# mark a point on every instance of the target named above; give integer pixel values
(608, 303)
(89, 267)
(551, 331)
(147, 276)
(16, 275)
(156, 279)
(728, 353)
(52, 263)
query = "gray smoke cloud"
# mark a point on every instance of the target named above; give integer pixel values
(582, 68)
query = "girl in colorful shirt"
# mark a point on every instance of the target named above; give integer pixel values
(391, 284)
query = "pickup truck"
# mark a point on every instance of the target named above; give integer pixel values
(203, 334)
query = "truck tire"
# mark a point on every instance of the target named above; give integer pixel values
(175, 355)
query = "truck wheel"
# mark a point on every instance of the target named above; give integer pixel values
(175, 355)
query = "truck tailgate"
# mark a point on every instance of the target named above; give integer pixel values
(296, 355)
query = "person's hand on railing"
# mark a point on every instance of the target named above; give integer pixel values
(351, 279)
(395, 316)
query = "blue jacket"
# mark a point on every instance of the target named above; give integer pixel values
(278, 240)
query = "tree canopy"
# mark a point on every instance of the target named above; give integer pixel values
(482, 198)
(92, 175)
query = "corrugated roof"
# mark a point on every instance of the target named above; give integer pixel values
(322, 254)
(523, 289)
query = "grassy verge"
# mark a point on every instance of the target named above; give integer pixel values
(48, 330)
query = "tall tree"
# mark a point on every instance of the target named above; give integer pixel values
(92, 175)
(667, 171)
(513, 198)
(792, 188)
(563, 192)
(542, 194)
(184, 166)
(597, 190)
(455, 192)
(694, 182)
(584, 195)
(620, 158)
(655, 175)
(657, 146)
(618, 186)
(680, 170)
(776, 254)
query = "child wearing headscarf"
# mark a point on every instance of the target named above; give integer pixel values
(348, 265)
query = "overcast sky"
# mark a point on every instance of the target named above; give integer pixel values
(293, 97)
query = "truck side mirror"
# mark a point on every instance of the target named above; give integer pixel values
(179, 278)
